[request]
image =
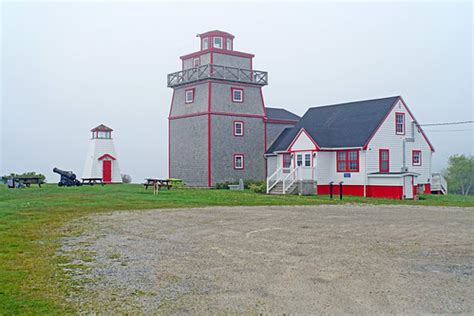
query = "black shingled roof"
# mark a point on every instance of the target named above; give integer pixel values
(339, 125)
(281, 114)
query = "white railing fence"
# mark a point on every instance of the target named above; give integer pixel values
(274, 179)
(291, 178)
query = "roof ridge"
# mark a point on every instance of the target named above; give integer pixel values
(351, 102)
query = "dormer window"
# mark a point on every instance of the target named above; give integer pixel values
(218, 42)
(229, 44)
(205, 43)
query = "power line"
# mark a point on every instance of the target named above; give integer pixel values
(448, 123)
(449, 130)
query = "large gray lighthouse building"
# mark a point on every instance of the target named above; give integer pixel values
(219, 127)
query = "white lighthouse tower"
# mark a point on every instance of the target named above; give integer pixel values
(101, 160)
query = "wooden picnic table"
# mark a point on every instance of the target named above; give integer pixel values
(92, 181)
(149, 182)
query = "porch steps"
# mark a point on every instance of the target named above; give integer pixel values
(278, 188)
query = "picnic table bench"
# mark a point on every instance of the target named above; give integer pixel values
(24, 181)
(149, 182)
(92, 181)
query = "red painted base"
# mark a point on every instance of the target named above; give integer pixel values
(377, 191)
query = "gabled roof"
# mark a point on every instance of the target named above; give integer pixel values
(102, 128)
(342, 125)
(281, 114)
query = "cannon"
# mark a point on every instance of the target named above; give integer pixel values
(68, 178)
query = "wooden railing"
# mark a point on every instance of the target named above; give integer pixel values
(211, 71)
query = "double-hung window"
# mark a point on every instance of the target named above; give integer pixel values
(307, 160)
(416, 158)
(384, 160)
(286, 161)
(196, 62)
(189, 96)
(299, 160)
(229, 44)
(347, 161)
(238, 161)
(218, 42)
(237, 95)
(238, 128)
(400, 123)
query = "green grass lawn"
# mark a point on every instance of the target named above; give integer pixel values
(32, 221)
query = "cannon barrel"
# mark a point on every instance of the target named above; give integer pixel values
(67, 174)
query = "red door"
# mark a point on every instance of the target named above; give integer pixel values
(107, 170)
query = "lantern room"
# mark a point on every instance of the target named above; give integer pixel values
(101, 132)
(217, 40)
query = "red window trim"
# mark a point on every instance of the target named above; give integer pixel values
(235, 129)
(404, 123)
(232, 89)
(243, 161)
(347, 160)
(186, 92)
(380, 160)
(413, 158)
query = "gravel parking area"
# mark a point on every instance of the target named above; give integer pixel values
(275, 259)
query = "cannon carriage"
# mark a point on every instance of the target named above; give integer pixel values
(68, 178)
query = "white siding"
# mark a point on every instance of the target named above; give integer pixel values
(385, 138)
(271, 165)
(326, 169)
(92, 165)
(303, 142)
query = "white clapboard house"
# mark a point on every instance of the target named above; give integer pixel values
(375, 148)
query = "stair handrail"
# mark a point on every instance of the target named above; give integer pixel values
(274, 175)
(295, 177)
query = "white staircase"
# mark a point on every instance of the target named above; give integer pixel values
(438, 184)
(283, 181)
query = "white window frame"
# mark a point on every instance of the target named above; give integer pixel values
(236, 123)
(307, 160)
(241, 100)
(228, 44)
(417, 154)
(241, 156)
(187, 93)
(214, 42)
(196, 62)
(205, 43)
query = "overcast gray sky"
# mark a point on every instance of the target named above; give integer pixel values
(67, 67)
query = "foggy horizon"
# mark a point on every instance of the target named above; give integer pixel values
(68, 67)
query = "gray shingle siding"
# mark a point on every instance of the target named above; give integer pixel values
(188, 150)
(231, 61)
(224, 145)
(221, 99)
(274, 130)
(179, 107)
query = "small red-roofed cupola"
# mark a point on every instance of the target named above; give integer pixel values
(217, 40)
(102, 131)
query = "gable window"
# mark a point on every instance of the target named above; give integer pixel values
(347, 161)
(400, 123)
(196, 62)
(286, 160)
(205, 43)
(299, 160)
(229, 44)
(238, 128)
(238, 161)
(416, 158)
(307, 160)
(189, 95)
(218, 42)
(237, 95)
(384, 160)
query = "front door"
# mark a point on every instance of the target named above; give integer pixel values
(304, 160)
(408, 187)
(107, 170)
